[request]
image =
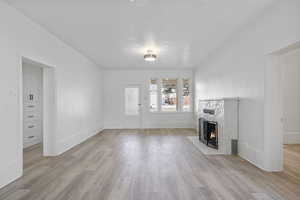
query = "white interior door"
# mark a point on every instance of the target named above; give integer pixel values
(133, 113)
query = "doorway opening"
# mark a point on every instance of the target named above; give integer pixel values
(32, 111)
(290, 82)
(37, 108)
(282, 111)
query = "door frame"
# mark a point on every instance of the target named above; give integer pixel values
(141, 110)
(48, 107)
(273, 109)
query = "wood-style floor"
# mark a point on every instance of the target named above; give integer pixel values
(292, 160)
(157, 164)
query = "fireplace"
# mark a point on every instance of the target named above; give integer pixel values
(208, 133)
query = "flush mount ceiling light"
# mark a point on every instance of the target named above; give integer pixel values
(150, 56)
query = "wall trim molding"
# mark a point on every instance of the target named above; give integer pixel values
(74, 140)
(152, 126)
(251, 154)
(291, 137)
(10, 173)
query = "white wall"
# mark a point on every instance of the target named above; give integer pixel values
(236, 69)
(115, 82)
(78, 89)
(290, 64)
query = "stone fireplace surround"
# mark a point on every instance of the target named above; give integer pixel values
(225, 113)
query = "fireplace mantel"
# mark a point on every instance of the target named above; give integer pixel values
(224, 111)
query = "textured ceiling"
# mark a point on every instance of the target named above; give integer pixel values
(117, 33)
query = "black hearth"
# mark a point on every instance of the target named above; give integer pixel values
(208, 133)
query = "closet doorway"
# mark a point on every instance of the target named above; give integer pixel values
(37, 108)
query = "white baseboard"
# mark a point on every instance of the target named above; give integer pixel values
(66, 144)
(151, 126)
(291, 138)
(14, 170)
(31, 143)
(10, 172)
(164, 125)
(251, 154)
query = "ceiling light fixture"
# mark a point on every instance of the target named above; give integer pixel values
(150, 56)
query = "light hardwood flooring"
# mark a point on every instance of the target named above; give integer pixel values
(159, 164)
(292, 160)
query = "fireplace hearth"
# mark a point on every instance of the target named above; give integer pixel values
(208, 133)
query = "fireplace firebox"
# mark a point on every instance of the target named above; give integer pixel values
(208, 133)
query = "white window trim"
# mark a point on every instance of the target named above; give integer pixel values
(179, 94)
(158, 95)
(191, 95)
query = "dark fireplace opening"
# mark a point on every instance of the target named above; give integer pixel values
(208, 133)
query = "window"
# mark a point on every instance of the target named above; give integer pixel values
(186, 95)
(153, 89)
(169, 95)
(164, 94)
